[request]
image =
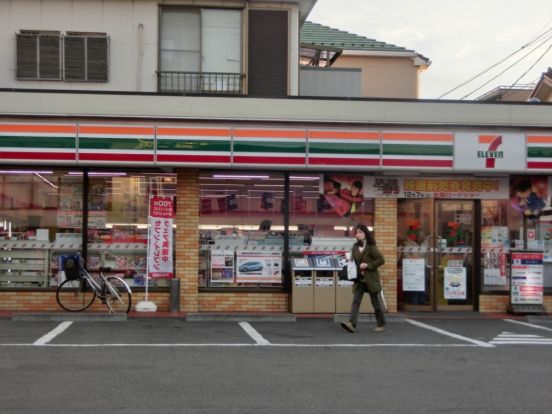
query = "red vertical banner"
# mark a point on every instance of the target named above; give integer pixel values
(160, 240)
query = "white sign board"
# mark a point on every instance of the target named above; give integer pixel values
(413, 275)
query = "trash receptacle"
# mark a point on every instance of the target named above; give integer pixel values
(175, 295)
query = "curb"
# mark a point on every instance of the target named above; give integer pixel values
(240, 317)
(62, 317)
(370, 317)
(539, 319)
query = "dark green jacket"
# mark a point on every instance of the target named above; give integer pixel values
(370, 276)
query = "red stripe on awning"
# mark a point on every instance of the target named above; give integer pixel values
(268, 160)
(116, 157)
(416, 163)
(539, 164)
(193, 158)
(344, 161)
(65, 156)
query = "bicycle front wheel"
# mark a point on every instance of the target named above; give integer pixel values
(75, 295)
(117, 295)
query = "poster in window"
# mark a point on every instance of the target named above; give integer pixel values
(341, 194)
(529, 195)
(258, 267)
(222, 267)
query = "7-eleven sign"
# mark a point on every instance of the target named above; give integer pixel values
(489, 151)
(492, 153)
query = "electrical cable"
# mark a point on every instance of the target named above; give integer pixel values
(496, 64)
(509, 67)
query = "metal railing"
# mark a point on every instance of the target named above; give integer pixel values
(201, 82)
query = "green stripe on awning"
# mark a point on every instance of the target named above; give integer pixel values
(192, 145)
(268, 147)
(343, 148)
(539, 152)
(116, 143)
(418, 150)
(37, 142)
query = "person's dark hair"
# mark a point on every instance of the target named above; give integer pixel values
(367, 232)
(358, 184)
(523, 186)
(265, 225)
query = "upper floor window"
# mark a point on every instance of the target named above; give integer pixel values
(74, 56)
(200, 50)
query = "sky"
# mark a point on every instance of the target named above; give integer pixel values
(461, 38)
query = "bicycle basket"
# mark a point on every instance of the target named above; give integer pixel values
(71, 266)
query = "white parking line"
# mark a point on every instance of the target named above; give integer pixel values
(240, 345)
(53, 333)
(528, 324)
(253, 333)
(452, 335)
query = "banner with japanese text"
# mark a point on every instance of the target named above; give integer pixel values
(436, 187)
(160, 240)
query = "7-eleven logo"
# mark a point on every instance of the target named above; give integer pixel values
(491, 154)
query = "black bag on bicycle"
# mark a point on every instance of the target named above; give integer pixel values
(71, 267)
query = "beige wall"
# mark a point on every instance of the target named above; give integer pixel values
(384, 77)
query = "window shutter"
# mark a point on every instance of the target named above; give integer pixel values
(74, 48)
(97, 58)
(268, 53)
(27, 63)
(49, 56)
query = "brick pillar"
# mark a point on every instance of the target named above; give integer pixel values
(385, 232)
(187, 238)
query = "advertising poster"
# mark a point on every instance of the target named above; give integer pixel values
(458, 188)
(528, 195)
(160, 239)
(494, 245)
(413, 275)
(258, 267)
(527, 278)
(222, 267)
(455, 282)
(341, 194)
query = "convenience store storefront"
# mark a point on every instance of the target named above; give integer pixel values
(447, 207)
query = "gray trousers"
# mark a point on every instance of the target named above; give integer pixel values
(376, 304)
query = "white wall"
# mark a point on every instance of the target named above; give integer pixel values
(120, 19)
(132, 62)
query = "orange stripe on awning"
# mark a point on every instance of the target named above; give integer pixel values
(487, 139)
(118, 130)
(269, 133)
(39, 128)
(344, 135)
(200, 132)
(407, 136)
(539, 139)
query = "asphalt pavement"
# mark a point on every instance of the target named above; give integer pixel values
(169, 365)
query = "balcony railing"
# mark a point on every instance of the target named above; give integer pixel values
(201, 82)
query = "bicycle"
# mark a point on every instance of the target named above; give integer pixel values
(79, 289)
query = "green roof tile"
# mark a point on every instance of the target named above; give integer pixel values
(324, 37)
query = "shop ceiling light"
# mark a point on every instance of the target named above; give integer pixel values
(239, 177)
(25, 172)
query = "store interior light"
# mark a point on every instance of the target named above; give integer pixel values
(249, 227)
(26, 172)
(237, 177)
(100, 174)
(293, 177)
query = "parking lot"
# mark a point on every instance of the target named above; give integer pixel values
(438, 332)
(418, 365)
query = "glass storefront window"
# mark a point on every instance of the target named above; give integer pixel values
(118, 221)
(40, 218)
(328, 205)
(241, 226)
